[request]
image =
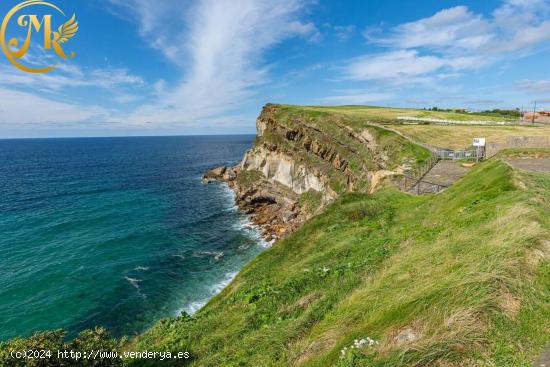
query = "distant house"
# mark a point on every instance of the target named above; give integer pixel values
(530, 116)
(539, 116)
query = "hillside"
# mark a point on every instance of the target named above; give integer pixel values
(459, 278)
(364, 274)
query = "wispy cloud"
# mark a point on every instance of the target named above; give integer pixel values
(454, 40)
(35, 109)
(537, 86)
(451, 28)
(396, 64)
(223, 43)
(343, 32)
(70, 76)
(352, 96)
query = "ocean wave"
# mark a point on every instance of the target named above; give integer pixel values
(242, 224)
(229, 196)
(134, 282)
(251, 230)
(192, 307)
(215, 254)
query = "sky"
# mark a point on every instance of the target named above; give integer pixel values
(186, 67)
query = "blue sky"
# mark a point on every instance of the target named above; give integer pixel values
(166, 67)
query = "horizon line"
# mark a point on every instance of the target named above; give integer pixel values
(121, 136)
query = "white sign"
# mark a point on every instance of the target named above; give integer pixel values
(479, 142)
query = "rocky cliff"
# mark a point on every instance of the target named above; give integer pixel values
(304, 157)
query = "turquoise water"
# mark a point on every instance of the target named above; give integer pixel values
(116, 232)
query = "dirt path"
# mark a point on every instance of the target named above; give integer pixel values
(531, 164)
(445, 173)
(442, 175)
(544, 360)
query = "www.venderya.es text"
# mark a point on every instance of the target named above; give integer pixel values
(45, 354)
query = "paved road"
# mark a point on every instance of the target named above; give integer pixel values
(531, 164)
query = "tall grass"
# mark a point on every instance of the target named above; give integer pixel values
(458, 278)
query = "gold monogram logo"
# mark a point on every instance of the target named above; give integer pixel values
(31, 22)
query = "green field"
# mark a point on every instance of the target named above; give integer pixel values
(459, 137)
(444, 136)
(382, 114)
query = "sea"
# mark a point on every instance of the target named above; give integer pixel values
(116, 232)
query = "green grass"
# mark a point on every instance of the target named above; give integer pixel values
(460, 137)
(312, 201)
(466, 270)
(385, 114)
(246, 178)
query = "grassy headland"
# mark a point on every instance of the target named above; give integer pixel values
(459, 278)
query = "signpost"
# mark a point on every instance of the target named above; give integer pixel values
(479, 143)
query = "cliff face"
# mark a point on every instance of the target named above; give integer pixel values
(303, 158)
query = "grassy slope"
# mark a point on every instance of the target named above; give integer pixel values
(467, 270)
(459, 137)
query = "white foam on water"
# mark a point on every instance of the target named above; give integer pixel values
(229, 196)
(134, 282)
(215, 254)
(249, 229)
(195, 306)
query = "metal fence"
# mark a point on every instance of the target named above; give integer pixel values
(419, 186)
(456, 155)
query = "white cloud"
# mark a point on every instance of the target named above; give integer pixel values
(454, 40)
(456, 27)
(223, 43)
(21, 107)
(70, 76)
(537, 86)
(391, 65)
(356, 97)
(218, 46)
(344, 32)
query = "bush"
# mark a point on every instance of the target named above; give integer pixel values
(50, 349)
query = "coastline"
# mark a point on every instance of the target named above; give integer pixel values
(248, 228)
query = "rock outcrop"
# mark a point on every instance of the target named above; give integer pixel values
(297, 157)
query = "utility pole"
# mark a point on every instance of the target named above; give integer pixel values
(521, 115)
(534, 112)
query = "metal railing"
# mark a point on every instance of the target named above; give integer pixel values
(419, 186)
(457, 155)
